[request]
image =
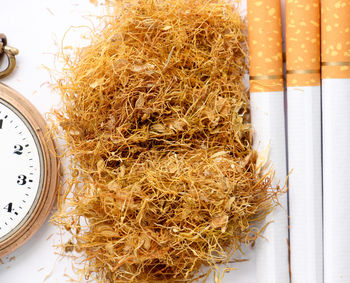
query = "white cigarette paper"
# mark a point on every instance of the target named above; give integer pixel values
(305, 184)
(336, 172)
(269, 135)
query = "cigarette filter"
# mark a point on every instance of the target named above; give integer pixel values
(304, 140)
(335, 51)
(267, 106)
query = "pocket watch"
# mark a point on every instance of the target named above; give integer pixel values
(28, 163)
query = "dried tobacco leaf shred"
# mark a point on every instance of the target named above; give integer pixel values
(162, 177)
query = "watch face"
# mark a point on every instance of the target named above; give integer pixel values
(21, 170)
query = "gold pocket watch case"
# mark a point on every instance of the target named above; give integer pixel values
(28, 167)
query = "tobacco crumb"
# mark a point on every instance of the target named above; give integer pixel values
(69, 247)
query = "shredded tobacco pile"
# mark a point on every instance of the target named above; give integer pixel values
(162, 179)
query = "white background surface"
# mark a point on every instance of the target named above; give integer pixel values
(36, 28)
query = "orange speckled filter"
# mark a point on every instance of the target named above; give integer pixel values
(303, 42)
(335, 34)
(265, 45)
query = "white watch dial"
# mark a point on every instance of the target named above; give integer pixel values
(21, 170)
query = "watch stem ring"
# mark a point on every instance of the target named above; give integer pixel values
(10, 53)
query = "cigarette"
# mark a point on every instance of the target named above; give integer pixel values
(304, 140)
(335, 54)
(267, 111)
